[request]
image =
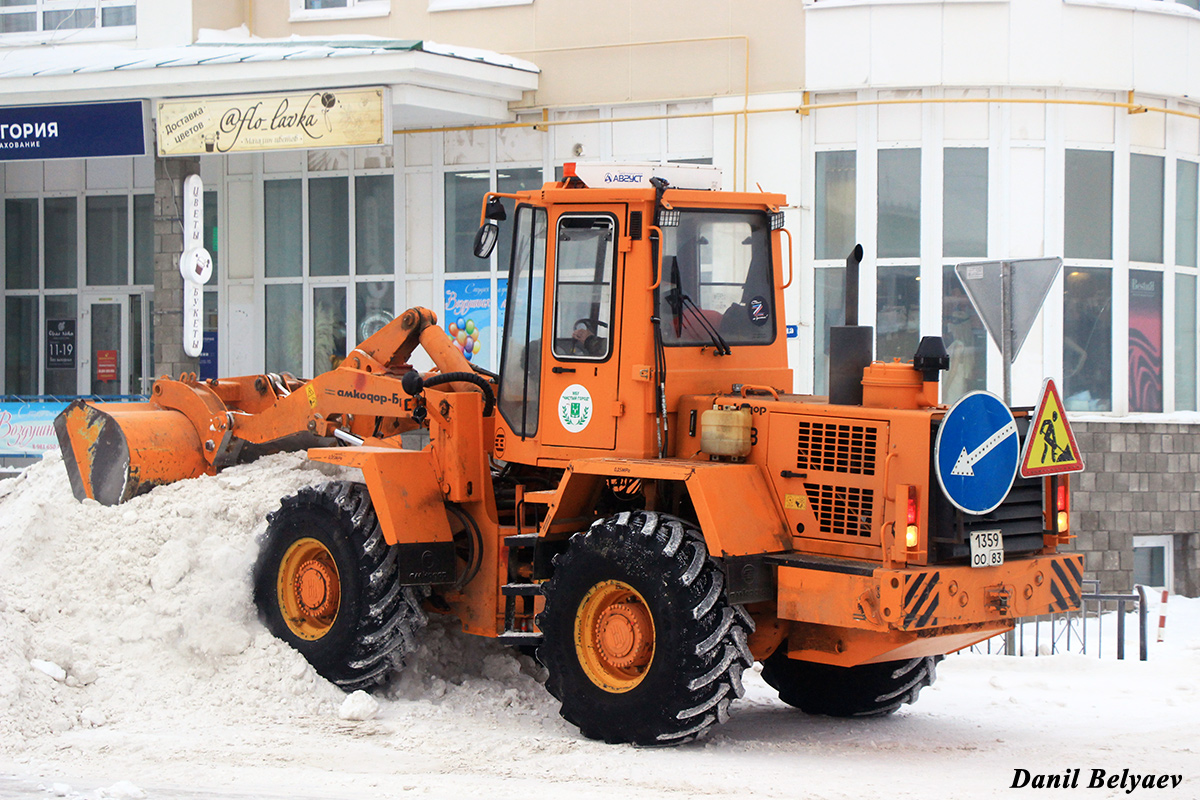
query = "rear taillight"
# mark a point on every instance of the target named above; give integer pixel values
(1062, 517)
(910, 533)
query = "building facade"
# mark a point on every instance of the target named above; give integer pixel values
(932, 132)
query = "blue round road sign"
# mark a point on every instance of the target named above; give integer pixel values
(976, 452)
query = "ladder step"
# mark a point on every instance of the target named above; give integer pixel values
(521, 540)
(541, 497)
(519, 638)
(521, 589)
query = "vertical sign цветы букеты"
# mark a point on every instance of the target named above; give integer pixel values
(195, 265)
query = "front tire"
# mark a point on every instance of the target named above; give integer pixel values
(640, 643)
(326, 583)
(868, 690)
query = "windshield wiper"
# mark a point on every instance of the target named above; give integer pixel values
(680, 303)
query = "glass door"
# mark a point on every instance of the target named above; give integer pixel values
(114, 357)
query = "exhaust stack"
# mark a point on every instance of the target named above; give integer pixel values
(851, 346)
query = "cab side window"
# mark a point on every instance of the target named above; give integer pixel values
(520, 370)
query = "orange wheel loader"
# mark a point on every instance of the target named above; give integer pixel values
(637, 497)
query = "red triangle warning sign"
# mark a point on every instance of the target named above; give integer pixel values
(1050, 447)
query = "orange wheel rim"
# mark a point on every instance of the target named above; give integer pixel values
(614, 636)
(309, 589)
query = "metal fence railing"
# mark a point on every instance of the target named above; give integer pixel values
(1101, 622)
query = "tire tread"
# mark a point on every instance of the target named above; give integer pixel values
(705, 675)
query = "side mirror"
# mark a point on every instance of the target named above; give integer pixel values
(489, 232)
(485, 239)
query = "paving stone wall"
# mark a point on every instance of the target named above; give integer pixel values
(1139, 479)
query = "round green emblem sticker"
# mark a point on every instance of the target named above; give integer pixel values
(575, 408)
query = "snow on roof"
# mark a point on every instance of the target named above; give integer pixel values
(81, 59)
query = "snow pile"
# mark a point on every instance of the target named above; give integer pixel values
(133, 665)
(117, 615)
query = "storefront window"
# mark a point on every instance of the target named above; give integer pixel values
(44, 259)
(108, 240)
(20, 329)
(373, 225)
(211, 320)
(509, 181)
(1146, 208)
(830, 293)
(1145, 341)
(375, 305)
(1087, 222)
(898, 310)
(1185, 213)
(325, 309)
(282, 226)
(464, 198)
(61, 228)
(835, 203)
(143, 237)
(328, 226)
(965, 202)
(899, 204)
(965, 339)
(1087, 339)
(470, 302)
(329, 328)
(21, 244)
(133, 360)
(209, 237)
(1185, 342)
(284, 328)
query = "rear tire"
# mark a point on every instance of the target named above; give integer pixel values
(868, 690)
(640, 643)
(326, 583)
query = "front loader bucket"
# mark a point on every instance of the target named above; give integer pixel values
(115, 451)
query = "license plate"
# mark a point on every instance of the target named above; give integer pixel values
(987, 549)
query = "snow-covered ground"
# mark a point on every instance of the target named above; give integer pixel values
(132, 665)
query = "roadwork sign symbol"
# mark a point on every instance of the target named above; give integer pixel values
(1050, 447)
(976, 452)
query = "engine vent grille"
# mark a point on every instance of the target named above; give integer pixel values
(842, 510)
(832, 447)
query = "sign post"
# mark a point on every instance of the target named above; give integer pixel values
(1008, 295)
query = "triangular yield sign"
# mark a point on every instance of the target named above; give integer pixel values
(1031, 281)
(1050, 447)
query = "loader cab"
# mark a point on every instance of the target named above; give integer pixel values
(582, 360)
